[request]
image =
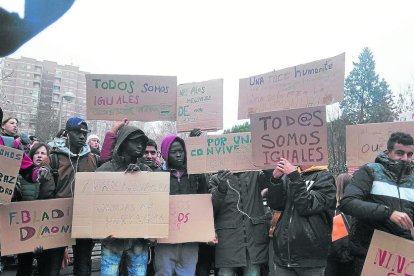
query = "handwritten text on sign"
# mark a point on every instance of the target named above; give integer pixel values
(10, 160)
(365, 142)
(298, 135)
(122, 205)
(191, 219)
(212, 153)
(139, 98)
(312, 84)
(389, 255)
(29, 224)
(200, 105)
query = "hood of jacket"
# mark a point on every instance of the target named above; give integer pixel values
(123, 134)
(61, 147)
(166, 145)
(396, 168)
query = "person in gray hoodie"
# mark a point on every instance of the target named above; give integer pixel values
(127, 156)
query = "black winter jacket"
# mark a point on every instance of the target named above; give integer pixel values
(376, 190)
(303, 232)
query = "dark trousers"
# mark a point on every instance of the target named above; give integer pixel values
(337, 268)
(49, 261)
(24, 264)
(358, 266)
(82, 254)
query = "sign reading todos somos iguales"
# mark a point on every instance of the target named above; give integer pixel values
(138, 98)
(316, 83)
(10, 161)
(298, 135)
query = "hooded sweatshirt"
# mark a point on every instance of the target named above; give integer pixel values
(69, 165)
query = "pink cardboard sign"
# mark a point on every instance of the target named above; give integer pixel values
(312, 84)
(138, 98)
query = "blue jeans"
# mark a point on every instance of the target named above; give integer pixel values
(137, 261)
(179, 258)
(250, 270)
(299, 271)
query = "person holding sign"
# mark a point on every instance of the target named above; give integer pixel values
(303, 233)
(381, 196)
(181, 258)
(127, 155)
(63, 164)
(240, 221)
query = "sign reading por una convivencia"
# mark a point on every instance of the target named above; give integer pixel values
(10, 161)
(138, 98)
(316, 83)
(298, 135)
(364, 142)
(26, 225)
(212, 153)
(200, 105)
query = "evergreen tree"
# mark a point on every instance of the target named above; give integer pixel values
(238, 128)
(367, 99)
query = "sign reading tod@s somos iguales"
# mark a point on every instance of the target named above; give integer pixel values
(138, 98)
(312, 84)
(10, 161)
(298, 135)
(26, 225)
(200, 105)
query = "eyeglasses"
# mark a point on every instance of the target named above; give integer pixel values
(402, 153)
(150, 152)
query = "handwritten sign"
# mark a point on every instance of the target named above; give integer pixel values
(138, 98)
(212, 153)
(200, 105)
(191, 219)
(27, 225)
(365, 142)
(10, 161)
(298, 135)
(312, 84)
(389, 255)
(123, 205)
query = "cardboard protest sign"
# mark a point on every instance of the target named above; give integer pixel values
(212, 153)
(365, 142)
(122, 205)
(27, 225)
(10, 161)
(138, 98)
(312, 84)
(191, 219)
(298, 135)
(200, 105)
(389, 255)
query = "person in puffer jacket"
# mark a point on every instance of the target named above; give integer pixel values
(303, 233)
(381, 196)
(128, 151)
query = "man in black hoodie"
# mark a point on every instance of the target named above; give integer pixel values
(381, 196)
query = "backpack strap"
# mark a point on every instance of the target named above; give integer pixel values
(54, 166)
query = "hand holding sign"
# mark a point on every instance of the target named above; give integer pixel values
(402, 220)
(283, 167)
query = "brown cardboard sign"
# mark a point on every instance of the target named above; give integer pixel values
(191, 219)
(364, 142)
(312, 84)
(10, 161)
(26, 225)
(138, 98)
(200, 105)
(298, 135)
(124, 205)
(212, 153)
(389, 255)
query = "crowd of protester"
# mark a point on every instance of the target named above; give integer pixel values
(303, 201)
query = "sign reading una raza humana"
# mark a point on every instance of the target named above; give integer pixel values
(191, 219)
(298, 135)
(26, 225)
(138, 98)
(316, 83)
(212, 153)
(365, 142)
(10, 160)
(123, 205)
(200, 105)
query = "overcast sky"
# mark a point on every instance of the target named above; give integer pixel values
(202, 40)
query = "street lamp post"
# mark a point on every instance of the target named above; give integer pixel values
(68, 96)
